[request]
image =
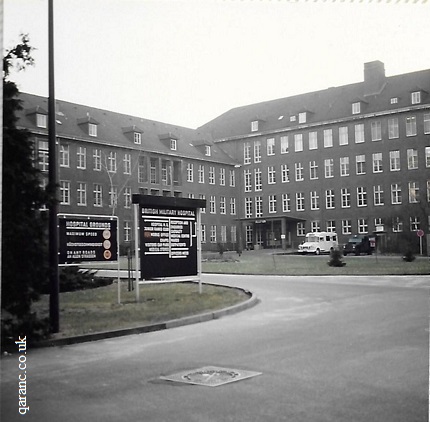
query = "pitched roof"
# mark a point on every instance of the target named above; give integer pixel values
(112, 129)
(325, 105)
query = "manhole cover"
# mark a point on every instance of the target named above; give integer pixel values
(210, 376)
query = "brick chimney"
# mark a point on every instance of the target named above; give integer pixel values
(374, 77)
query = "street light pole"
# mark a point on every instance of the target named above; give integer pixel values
(54, 312)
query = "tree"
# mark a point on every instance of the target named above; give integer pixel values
(24, 251)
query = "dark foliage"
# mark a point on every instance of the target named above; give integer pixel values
(336, 259)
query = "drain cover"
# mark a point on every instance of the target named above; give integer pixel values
(210, 376)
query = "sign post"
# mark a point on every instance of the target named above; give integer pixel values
(420, 234)
(169, 234)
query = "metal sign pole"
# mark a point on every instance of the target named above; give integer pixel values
(117, 256)
(136, 249)
(199, 250)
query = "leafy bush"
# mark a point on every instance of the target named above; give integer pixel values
(336, 259)
(408, 256)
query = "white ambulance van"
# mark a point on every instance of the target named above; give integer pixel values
(319, 242)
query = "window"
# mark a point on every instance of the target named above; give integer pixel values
(98, 195)
(428, 191)
(394, 160)
(257, 151)
(313, 140)
(254, 126)
(203, 233)
(376, 132)
(202, 210)
(271, 175)
(302, 117)
(248, 234)
(82, 194)
(247, 153)
(331, 226)
(345, 195)
(328, 138)
(411, 126)
(65, 192)
(248, 207)
(208, 151)
(127, 197)
(284, 144)
(247, 180)
(166, 173)
(393, 128)
(301, 229)
(271, 146)
(258, 180)
(361, 196)
(328, 167)
(414, 192)
(81, 158)
(313, 170)
(396, 194)
(213, 233)
(397, 225)
(190, 172)
(394, 100)
(233, 234)
(64, 155)
(298, 142)
(212, 204)
(127, 163)
(414, 224)
(153, 170)
(362, 226)
(299, 172)
(233, 206)
(300, 201)
(416, 97)
(285, 173)
(112, 162)
(223, 234)
(412, 159)
(346, 227)
(315, 226)
(232, 178)
(286, 202)
(211, 175)
(315, 200)
(329, 198)
(356, 108)
(41, 120)
(378, 195)
(201, 173)
(97, 159)
(360, 164)
(222, 208)
(359, 133)
(43, 154)
(142, 175)
(343, 135)
(427, 123)
(137, 138)
(127, 231)
(113, 197)
(92, 129)
(272, 204)
(344, 166)
(222, 176)
(258, 206)
(377, 162)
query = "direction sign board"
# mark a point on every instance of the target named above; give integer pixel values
(87, 238)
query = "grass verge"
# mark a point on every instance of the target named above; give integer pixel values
(96, 310)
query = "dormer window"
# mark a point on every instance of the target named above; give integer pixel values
(254, 126)
(356, 108)
(416, 97)
(41, 120)
(92, 129)
(137, 136)
(394, 100)
(208, 150)
(302, 117)
(173, 144)
(292, 118)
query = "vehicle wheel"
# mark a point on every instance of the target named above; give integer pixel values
(317, 252)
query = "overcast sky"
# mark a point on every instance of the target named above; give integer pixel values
(187, 61)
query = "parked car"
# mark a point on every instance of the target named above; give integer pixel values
(358, 244)
(319, 242)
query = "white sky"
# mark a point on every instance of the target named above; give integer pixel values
(187, 61)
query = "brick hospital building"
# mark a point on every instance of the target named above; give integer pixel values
(351, 159)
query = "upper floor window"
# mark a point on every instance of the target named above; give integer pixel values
(208, 151)
(427, 123)
(343, 135)
(81, 156)
(247, 153)
(137, 137)
(298, 142)
(302, 117)
(92, 129)
(416, 97)
(257, 152)
(411, 126)
(284, 144)
(41, 120)
(393, 128)
(359, 133)
(64, 155)
(254, 126)
(328, 138)
(375, 128)
(271, 146)
(356, 107)
(313, 140)
(394, 100)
